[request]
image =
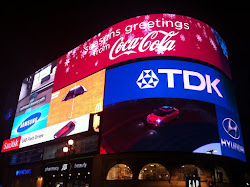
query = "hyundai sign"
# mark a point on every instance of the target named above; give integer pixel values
(161, 81)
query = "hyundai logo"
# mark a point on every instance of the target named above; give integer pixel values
(231, 128)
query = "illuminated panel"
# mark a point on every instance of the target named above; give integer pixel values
(168, 79)
(82, 97)
(170, 105)
(143, 36)
(150, 104)
(36, 89)
(81, 124)
(30, 121)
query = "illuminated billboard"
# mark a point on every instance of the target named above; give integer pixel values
(170, 105)
(162, 83)
(143, 36)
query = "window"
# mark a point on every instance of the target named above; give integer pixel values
(221, 175)
(189, 170)
(154, 171)
(120, 172)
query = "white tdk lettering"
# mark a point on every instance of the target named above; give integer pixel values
(204, 81)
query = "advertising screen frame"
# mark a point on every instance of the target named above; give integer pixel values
(180, 47)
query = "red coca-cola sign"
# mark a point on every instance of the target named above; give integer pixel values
(165, 35)
(11, 144)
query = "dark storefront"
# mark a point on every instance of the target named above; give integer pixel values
(25, 175)
(75, 172)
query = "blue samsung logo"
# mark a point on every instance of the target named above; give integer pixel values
(29, 122)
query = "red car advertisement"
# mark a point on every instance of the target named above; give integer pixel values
(143, 36)
(163, 115)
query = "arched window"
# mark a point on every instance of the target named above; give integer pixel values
(120, 172)
(154, 171)
(189, 170)
(221, 175)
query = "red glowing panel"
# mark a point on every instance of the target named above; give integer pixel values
(143, 36)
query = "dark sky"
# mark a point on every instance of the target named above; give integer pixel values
(33, 35)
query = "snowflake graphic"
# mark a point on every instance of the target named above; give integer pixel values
(66, 63)
(147, 17)
(123, 35)
(197, 45)
(172, 16)
(104, 41)
(83, 53)
(160, 50)
(74, 51)
(131, 37)
(68, 54)
(204, 33)
(110, 29)
(67, 70)
(213, 43)
(182, 37)
(198, 24)
(198, 37)
(93, 48)
(165, 15)
(146, 29)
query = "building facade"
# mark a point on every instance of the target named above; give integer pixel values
(147, 102)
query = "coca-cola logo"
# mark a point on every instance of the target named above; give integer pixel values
(159, 41)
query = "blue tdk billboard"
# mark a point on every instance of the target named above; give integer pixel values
(170, 105)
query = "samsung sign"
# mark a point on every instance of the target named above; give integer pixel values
(27, 123)
(23, 172)
(30, 121)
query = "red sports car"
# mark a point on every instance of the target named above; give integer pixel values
(163, 115)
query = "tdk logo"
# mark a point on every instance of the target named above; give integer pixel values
(231, 128)
(148, 79)
(29, 122)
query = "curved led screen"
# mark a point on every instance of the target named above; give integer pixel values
(156, 82)
(170, 105)
(143, 36)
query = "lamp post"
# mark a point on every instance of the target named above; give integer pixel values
(67, 150)
(211, 152)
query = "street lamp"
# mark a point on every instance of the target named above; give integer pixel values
(70, 142)
(67, 149)
(211, 152)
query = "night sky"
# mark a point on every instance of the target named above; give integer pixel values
(33, 35)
